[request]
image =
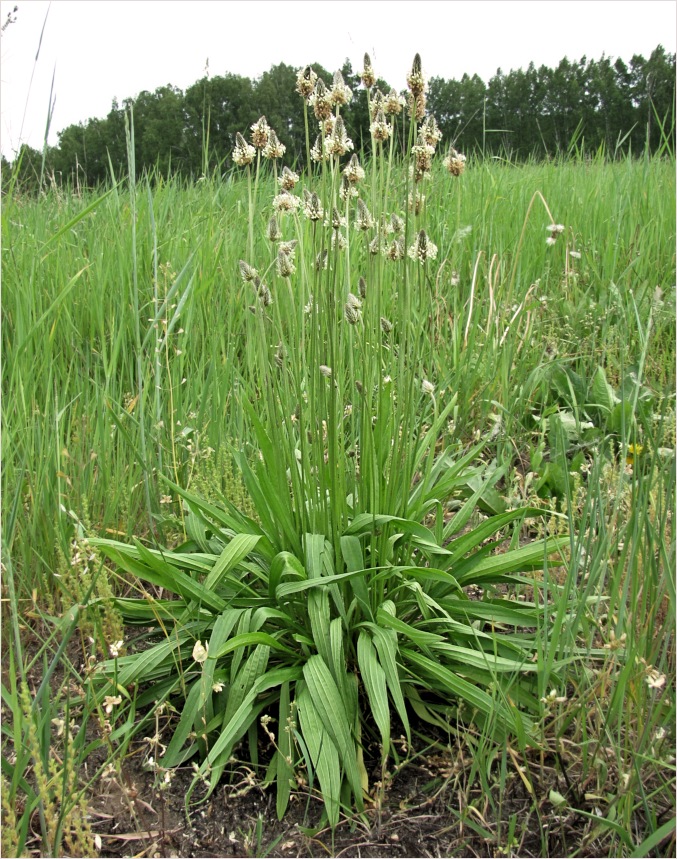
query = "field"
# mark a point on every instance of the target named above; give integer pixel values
(357, 521)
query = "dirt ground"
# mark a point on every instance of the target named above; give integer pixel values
(427, 811)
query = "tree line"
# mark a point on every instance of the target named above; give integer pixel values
(584, 106)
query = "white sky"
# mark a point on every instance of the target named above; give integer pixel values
(101, 49)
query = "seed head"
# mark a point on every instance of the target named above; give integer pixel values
(380, 129)
(364, 220)
(321, 100)
(288, 179)
(273, 148)
(416, 202)
(417, 105)
(347, 190)
(454, 162)
(320, 264)
(427, 387)
(337, 219)
(430, 131)
(338, 143)
(286, 202)
(338, 241)
(312, 209)
(285, 266)
(395, 250)
(368, 76)
(376, 103)
(423, 157)
(340, 93)
(248, 273)
(260, 131)
(393, 103)
(396, 224)
(423, 249)
(262, 292)
(351, 309)
(318, 152)
(280, 354)
(325, 371)
(243, 154)
(416, 79)
(353, 172)
(273, 232)
(305, 81)
(386, 325)
(555, 230)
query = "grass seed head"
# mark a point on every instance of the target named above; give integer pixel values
(368, 77)
(423, 249)
(286, 202)
(380, 129)
(273, 148)
(305, 81)
(260, 132)
(244, 153)
(364, 219)
(352, 171)
(248, 273)
(273, 232)
(338, 143)
(321, 101)
(312, 208)
(454, 162)
(340, 94)
(288, 179)
(430, 131)
(416, 80)
(393, 103)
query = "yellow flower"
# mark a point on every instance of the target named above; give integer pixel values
(633, 451)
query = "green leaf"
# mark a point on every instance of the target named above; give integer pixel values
(323, 754)
(238, 549)
(249, 638)
(332, 711)
(165, 575)
(528, 557)
(449, 683)
(284, 770)
(283, 564)
(374, 679)
(188, 720)
(385, 641)
(601, 393)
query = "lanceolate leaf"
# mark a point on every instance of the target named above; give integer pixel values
(374, 679)
(332, 712)
(323, 753)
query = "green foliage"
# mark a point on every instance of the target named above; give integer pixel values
(329, 647)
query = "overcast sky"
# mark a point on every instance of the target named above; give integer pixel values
(101, 49)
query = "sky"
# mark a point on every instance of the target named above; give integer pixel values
(92, 51)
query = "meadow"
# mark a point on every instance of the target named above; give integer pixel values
(312, 479)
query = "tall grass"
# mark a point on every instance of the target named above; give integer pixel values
(135, 371)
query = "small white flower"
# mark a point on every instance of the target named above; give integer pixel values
(115, 648)
(111, 701)
(200, 653)
(218, 686)
(427, 387)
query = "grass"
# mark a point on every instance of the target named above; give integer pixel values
(508, 373)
